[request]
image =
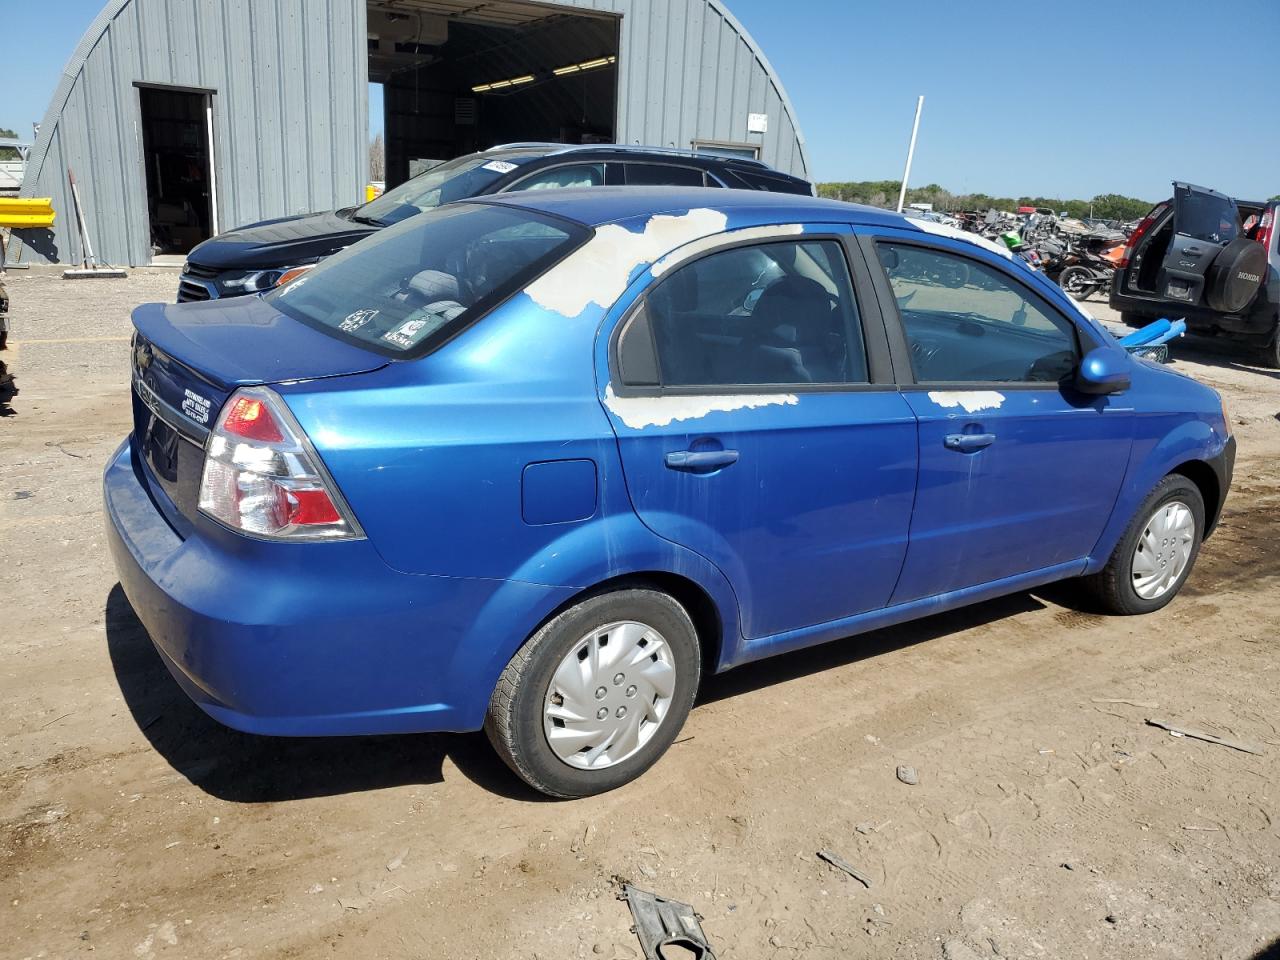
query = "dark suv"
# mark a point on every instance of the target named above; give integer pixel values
(1209, 258)
(256, 257)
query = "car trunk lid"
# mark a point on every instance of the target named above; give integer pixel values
(188, 359)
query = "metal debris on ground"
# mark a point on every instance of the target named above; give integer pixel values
(1147, 704)
(661, 923)
(1206, 737)
(908, 775)
(840, 863)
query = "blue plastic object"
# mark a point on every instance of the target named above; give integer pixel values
(1154, 334)
(504, 475)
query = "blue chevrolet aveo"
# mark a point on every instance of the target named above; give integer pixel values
(537, 464)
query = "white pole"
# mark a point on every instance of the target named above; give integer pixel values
(911, 151)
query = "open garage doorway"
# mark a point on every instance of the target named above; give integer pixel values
(465, 75)
(177, 135)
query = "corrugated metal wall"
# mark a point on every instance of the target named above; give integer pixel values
(290, 115)
(290, 105)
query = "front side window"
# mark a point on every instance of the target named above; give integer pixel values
(408, 286)
(574, 175)
(968, 322)
(774, 313)
(457, 179)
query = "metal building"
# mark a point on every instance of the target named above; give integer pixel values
(182, 118)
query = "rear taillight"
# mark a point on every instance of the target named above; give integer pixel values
(1139, 232)
(1266, 227)
(262, 477)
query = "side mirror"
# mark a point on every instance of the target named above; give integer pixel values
(1103, 371)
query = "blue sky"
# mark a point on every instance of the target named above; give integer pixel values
(1020, 98)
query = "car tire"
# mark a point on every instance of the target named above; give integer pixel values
(1077, 283)
(1133, 319)
(1167, 529)
(554, 683)
(1270, 354)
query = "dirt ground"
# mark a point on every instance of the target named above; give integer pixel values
(1049, 820)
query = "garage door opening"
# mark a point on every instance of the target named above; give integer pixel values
(462, 75)
(176, 138)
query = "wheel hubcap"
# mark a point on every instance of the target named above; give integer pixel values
(609, 695)
(1163, 550)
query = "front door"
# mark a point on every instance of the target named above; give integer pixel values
(1018, 472)
(751, 432)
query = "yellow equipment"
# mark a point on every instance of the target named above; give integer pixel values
(26, 212)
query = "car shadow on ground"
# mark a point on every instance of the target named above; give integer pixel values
(1221, 353)
(244, 768)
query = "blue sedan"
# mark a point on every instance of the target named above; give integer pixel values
(537, 464)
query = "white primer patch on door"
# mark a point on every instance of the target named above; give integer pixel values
(599, 271)
(640, 412)
(971, 400)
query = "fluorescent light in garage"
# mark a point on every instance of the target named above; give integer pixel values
(585, 65)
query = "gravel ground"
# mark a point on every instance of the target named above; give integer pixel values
(1049, 820)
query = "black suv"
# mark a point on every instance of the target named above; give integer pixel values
(258, 256)
(1209, 258)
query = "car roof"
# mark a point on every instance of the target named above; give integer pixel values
(595, 206)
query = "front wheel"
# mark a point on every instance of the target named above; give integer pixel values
(597, 694)
(1155, 556)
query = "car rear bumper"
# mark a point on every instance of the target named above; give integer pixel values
(1258, 322)
(310, 639)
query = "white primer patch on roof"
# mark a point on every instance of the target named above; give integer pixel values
(598, 271)
(640, 412)
(767, 232)
(971, 400)
(955, 233)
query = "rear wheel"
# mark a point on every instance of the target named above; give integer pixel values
(1078, 283)
(596, 696)
(1133, 319)
(1270, 354)
(1155, 556)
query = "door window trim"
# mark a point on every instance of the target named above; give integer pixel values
(896, 328)
(870, 320)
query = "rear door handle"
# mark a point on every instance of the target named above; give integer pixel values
(696, 460)
(969, 442)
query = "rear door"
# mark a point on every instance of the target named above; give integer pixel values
(1018, 472)
(1204, 221)
(758, 425)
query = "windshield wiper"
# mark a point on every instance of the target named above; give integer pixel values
(372, 221)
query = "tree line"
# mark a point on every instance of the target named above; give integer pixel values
(884, 193)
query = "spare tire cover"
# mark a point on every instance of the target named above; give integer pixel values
(1236, 275)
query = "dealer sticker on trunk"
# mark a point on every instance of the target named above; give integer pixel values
(195, 406)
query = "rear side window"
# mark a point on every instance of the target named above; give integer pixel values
(574, 175)
(762, 181)
(666, 175)
(411, 286)
(770, 314)
(967, 322)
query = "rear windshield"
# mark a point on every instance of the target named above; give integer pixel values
(1206, 217)
(410, 287)
(458, 179)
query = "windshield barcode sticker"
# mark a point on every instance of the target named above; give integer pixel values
(499, 166)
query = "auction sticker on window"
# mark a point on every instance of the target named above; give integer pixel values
(499, 166)
(354, 321)
(409, 333)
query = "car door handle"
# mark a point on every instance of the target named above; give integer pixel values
(701, 459)
(969, 442)
(1192, 251)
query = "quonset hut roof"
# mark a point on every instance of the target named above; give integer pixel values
(290, 109)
